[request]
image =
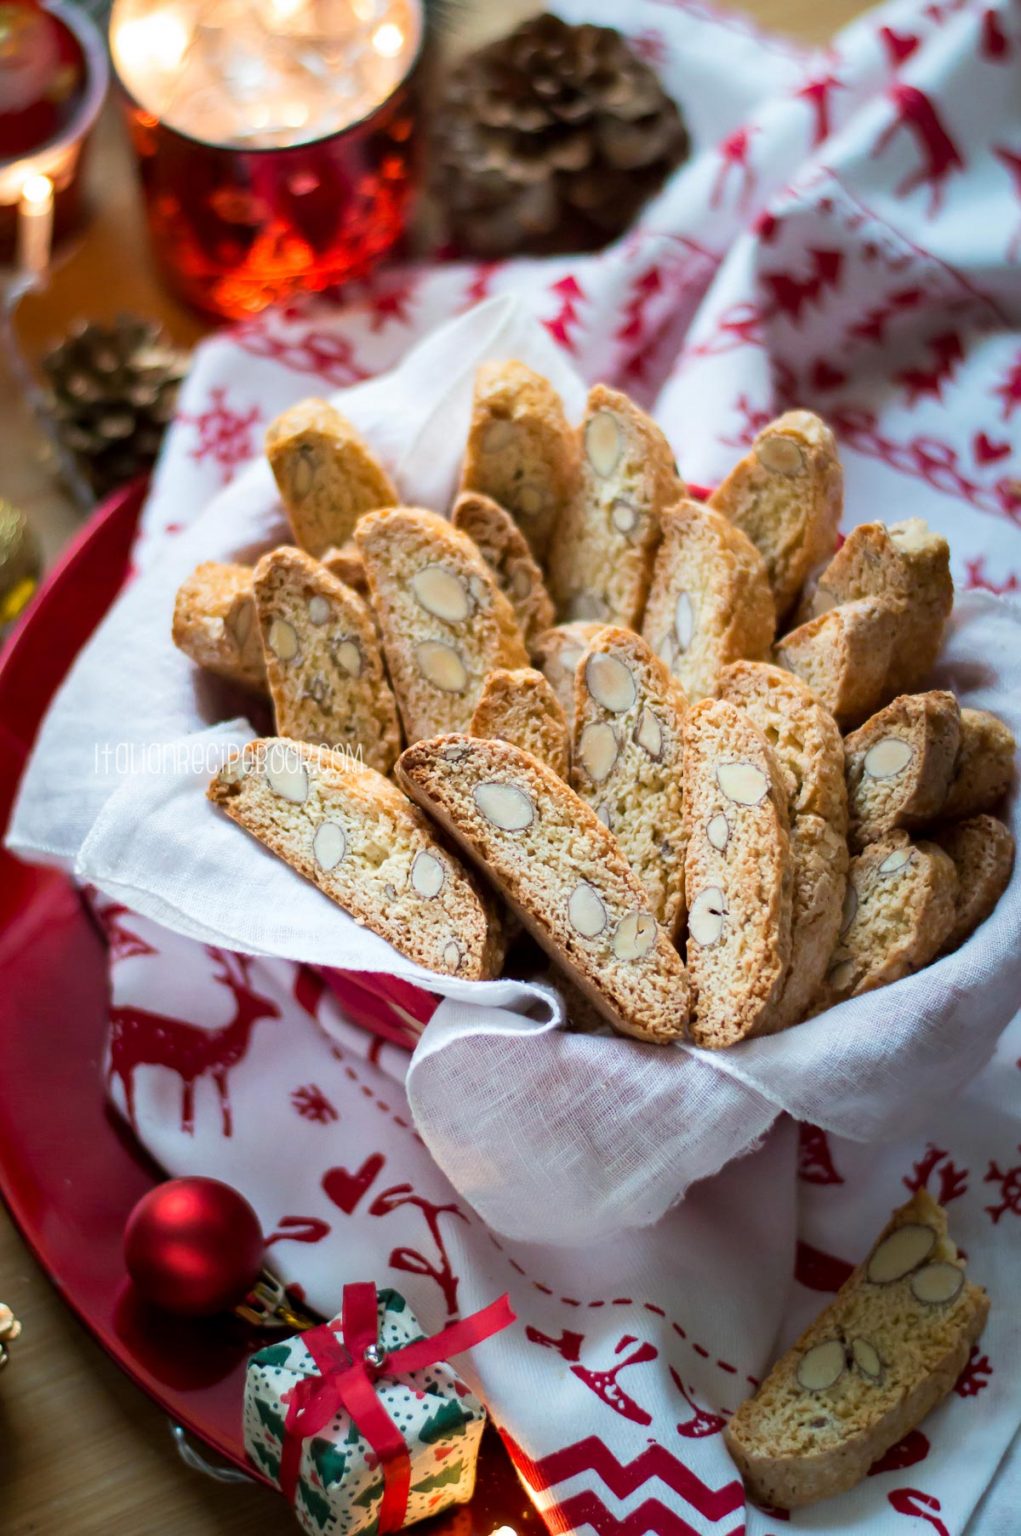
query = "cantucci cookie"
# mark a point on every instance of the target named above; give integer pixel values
(215, 624)
(710, 601)
(899, 910)
(326, 473)
(737, 875)
(561, 871)
(844, 656)
(985, 765)
(444, 621)
(520, 707)
(505, 550)
(347, 565)
(787, 495)
(809, 750)
(899, 764)
(886, 1350)
(521, 449)
(353, 834)
(557, 654)
(982, 849)
(627, 757)
(600, 558)
(909, 566)
(325, 671)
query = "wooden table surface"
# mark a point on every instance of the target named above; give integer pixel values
(85, 1454)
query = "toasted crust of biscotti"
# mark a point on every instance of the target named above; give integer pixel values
(519, 706)
(710, 601)
(627, 757)
(806, 741)
(787, 495)
(561, 871)
(353, 834)
(985, 765)
(737, 874)
(601, 554)
(326, 473)
(445, 623)
(900, 908)
(557, 654)
(844, 657)
(982, 849)
(899, 765)
(909, 566)
(215, 624)
(505, 550)
(795, 1443)
(347, 565)
(521, 449)
(323, 661)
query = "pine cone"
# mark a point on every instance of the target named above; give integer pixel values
(112, 393)
(551, 139)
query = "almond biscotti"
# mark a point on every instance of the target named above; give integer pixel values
(600, 557)
(519, 706)
(347, 565)
(215, 624)
(627, 761)
(505, 550)
(521, 449)
(887, 1349)
(354, 835)
(557, 654)
(985, 765)
(844, 657)
(737, 875)
(561, 871)
(444, 621)
(899, 911)
(787, 495)
(907, 565)
(982, 849)
(326, 473)
(323, 660)
(710, 601)
(899, 765)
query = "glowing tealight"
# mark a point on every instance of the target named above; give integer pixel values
(37, 191)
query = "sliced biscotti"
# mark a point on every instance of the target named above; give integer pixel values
(505, 550)
(627, 757)
(909, 566)
(561, 871)
(886, 1350)
(844, 657)
(519, 706)
(982, 849)
(985, 765)
(787, 495)
(899, 764)
(710, 601)
(600, 557)
(807, 744)
(215, 624)
(521, 448)
(557, 654)
(444, 621)
(353, 834)
(326, 473)
(899, 909)
(737, 874)
(346, 563)
(323, 661)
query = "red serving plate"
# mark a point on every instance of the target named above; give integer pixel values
(69, 1171)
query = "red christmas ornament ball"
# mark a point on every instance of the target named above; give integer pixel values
(194, 1246)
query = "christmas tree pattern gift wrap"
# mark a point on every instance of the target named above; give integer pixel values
(361, 1422)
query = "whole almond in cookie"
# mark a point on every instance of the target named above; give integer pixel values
(557, 654)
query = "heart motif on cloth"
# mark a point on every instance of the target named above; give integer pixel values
(346, 1189)
(988, 452)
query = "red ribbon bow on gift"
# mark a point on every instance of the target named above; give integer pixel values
(347, 1378)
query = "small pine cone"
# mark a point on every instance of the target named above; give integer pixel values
(551, 139)
(112, 394)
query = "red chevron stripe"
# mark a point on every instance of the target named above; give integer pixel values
(651, 1516)
(623, 1479)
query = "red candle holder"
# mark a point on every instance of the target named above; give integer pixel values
(235, 229)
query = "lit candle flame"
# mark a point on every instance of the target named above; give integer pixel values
(35, 224)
